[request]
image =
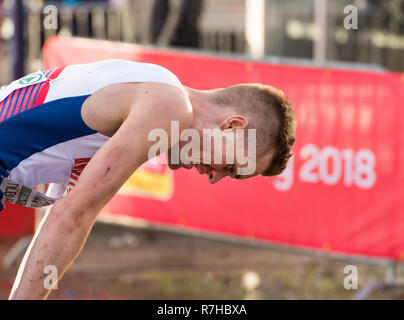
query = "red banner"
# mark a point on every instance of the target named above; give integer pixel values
(341, 192)
(16, 221)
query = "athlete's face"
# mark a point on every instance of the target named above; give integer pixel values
(235, 157)
(241, 168)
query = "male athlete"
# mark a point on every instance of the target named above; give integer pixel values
(105, 111)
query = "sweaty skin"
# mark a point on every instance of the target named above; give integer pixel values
(125, 112)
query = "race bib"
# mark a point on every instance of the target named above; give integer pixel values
(20, 194)
(33, 78)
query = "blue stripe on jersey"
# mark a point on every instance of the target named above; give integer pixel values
(36, 94)
(8, 107)
(3, 105)
(16, 102)
(23, 98)
(39, 128)
(23, 108)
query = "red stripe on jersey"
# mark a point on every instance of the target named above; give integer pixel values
(43, 91)
(20, 100)
(4, 105)
(36, 94)
(77, 169)
(55, 73)
(33, 95)
(25, 102)
(13, 103)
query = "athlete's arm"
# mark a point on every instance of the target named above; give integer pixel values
(64, 230)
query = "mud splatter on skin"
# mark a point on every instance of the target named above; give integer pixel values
(105, 174)
(79, 215)
(107, 171)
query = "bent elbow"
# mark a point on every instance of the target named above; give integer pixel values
(71, 218)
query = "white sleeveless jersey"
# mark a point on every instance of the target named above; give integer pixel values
(43, 138)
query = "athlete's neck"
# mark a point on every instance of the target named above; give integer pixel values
(206, 115)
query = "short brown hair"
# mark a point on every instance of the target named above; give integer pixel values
(270, 113)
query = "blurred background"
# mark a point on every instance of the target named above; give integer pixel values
(142, 261)
(307, 29)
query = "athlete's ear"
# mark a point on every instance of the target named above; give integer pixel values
(235, 122)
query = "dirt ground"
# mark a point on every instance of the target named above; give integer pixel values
(126, 263)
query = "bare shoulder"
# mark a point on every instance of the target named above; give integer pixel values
(143, 108)
(106, 109)
(164, 98)
(158, 107)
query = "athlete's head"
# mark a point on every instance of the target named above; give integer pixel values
(230, 113)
